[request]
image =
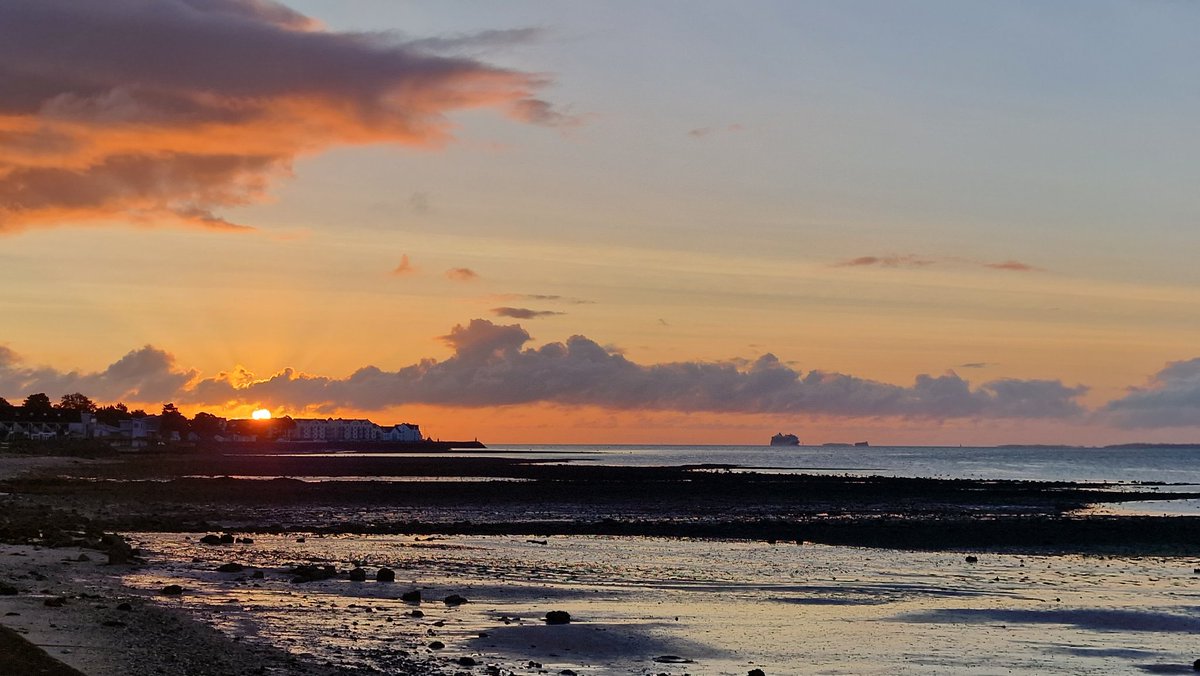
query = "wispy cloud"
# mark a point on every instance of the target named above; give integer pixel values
(916, 261)
(462, 274)
(1013, 266)
(405, 267)
(523, 313)
(975, 365)
(165, 112)
(891, 261)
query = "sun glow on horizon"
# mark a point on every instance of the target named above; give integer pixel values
(261, 414)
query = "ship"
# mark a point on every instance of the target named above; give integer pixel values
(782, 439)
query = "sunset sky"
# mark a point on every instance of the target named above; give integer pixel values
(693, 222)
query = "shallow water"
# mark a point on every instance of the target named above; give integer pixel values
(727, 606)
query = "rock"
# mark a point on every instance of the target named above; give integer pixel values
(119, 551)
(533, 665)
(558, 617)
(211, 539)
(258, 575)
(231, 568)
(417, 613)
(672, 659)
(83, 558)
(454, 600)
(385, 575)
(227, 538)
(567, 672)
(1196, 665)
(124, 607)
(436, 645)
(358, 575)
(311, 573)
(756, 672)
(972, 559)
(300, 539)
(171, 590)
(466, 661)
(55, 602)
(246, 541)
(7, 589)
(413, 596)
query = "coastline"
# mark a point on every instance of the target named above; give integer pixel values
(55, 509)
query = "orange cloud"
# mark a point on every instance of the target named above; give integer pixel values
(405, 267)
(164, 112)
(462, 274)
(1015, 266)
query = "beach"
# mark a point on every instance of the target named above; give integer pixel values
(694, 570)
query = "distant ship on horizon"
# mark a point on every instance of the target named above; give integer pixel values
(782, 439)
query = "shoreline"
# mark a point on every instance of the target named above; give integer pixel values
(54, 509)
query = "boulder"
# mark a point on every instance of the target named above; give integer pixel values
(756, 672)
(385, 575)
(466, 661)
(125, 607)
(231, 568)
(454, 600)
(436, 645)
(413, 596)
(358, 575)
(972, 559)
(119, 551)
(558, 617)
(312, 573)
(171, 590)
(7, 589)
(211, 539)
(227, 538)
(54, 602)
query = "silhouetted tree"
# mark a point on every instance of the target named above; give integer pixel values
(38, 403)
(112, 414)
(171, 420)
(207, 425)
(76, 402)
(6, 407)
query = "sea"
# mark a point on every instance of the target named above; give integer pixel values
(642, 605)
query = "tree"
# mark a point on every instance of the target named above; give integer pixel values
(171, 420)
(5, 407)
(207, 425)
(112, 415)
(76, 402)
(38, 403)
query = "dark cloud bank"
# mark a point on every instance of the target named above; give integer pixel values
(165, 111)
(494, 365)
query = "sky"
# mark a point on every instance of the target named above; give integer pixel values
(620, 222)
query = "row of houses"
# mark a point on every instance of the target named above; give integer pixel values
(18, 423)
(350, 429)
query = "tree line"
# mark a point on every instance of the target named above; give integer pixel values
(170, 419)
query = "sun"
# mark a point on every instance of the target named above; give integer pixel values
(261, 414)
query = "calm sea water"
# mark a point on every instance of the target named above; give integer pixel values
(1167, 465)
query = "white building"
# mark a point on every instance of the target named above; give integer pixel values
(350, 429)
(44, 426)
(401, 432)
